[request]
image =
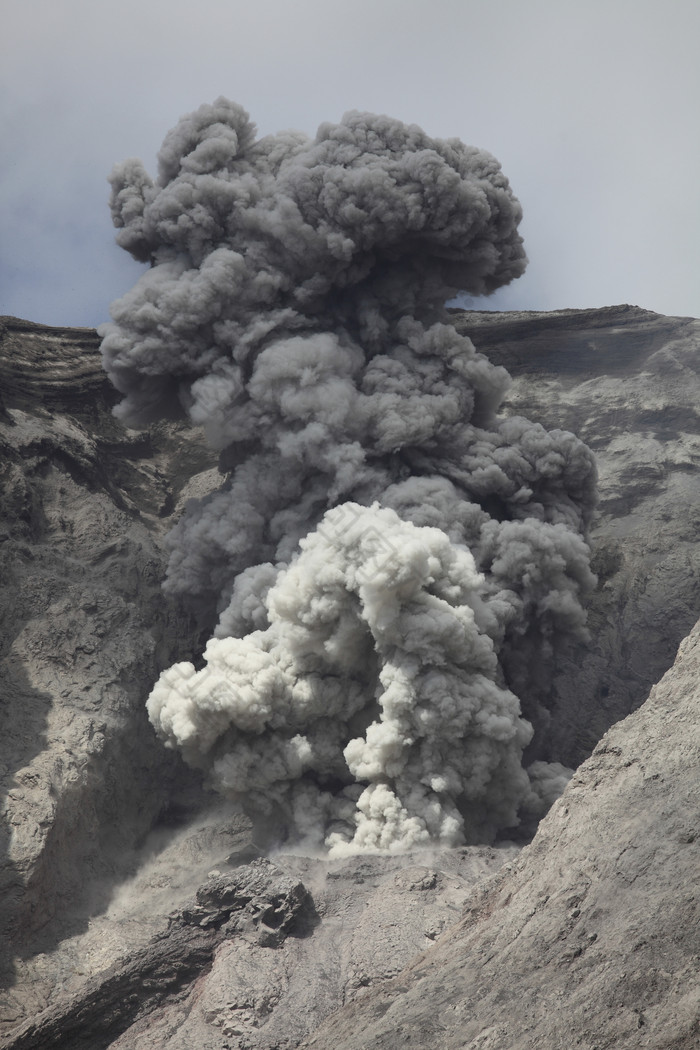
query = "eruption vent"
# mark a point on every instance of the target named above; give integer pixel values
(391, 562)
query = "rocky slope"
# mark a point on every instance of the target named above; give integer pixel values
(591, 938)
(84, 628)
(107, 896)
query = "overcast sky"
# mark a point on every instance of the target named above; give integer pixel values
(591, 106)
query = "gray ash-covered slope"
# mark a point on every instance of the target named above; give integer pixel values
(85, 630)
(259, 955)
(591, 938)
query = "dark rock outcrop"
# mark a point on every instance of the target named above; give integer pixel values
(258, 900)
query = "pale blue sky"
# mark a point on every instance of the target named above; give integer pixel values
(592, 108)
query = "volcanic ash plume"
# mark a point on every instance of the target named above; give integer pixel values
(391, 562)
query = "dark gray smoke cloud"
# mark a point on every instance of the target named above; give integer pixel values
(392, 563)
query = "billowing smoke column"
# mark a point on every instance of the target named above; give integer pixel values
(391, 562)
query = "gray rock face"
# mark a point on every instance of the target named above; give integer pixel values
(135, 908)
(83, 630)
(257, 956)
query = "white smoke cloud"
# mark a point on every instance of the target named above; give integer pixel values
(391, 562)
(378, 667)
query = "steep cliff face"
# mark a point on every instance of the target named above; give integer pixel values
(84, 629)
(110, 840)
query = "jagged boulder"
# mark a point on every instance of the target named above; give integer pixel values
(258, 902)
